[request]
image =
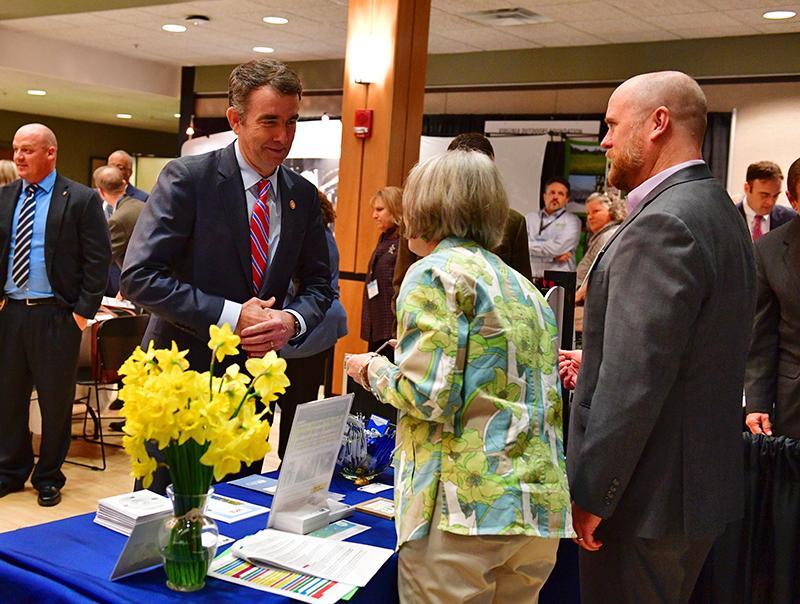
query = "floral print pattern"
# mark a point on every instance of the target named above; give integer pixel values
(476, 385)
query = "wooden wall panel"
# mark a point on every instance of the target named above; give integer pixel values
(385, 158)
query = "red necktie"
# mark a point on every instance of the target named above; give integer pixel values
(259, 235)
(757, 227)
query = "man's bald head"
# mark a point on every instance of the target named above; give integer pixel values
(655, 121)
(123, 161)
(109, 180)
(676, 91)
(39, 132)
(34, 149)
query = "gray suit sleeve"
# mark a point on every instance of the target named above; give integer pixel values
(159, 243)
(656, 282)
(762, 362)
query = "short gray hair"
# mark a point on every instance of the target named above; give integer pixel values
(614, 204)
(250, 76)
(458, 193)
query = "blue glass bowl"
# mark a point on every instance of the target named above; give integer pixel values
(365, 452)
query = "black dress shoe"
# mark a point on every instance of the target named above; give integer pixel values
(6, 488)
(49, 495)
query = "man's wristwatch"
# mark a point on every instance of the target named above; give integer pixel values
(297, 326)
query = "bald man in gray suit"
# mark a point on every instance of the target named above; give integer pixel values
(654, 457)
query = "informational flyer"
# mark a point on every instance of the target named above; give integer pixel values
(228, 509)
(340, 561)
(307, 466)
(287, 583)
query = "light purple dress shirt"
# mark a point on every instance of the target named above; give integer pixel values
(637, 195)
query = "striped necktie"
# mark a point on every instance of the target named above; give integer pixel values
(259, 235)
(21, 269)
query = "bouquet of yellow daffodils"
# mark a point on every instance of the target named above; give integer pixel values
(202, 423)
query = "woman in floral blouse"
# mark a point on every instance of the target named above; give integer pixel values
(481, 492)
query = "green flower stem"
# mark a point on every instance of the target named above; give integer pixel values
(186, 561)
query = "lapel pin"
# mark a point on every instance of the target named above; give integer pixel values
(292, 204)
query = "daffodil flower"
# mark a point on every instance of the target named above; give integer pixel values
(223, 341)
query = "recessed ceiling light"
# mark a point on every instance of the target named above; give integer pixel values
(275, 20)
(34, 92)
(779, 14)
(263, 49)
(177, 115)
(174, 28)
(124, 116)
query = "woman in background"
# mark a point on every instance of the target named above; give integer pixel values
(377, 318)
(8, 172)
(604, 213)
(481, 492)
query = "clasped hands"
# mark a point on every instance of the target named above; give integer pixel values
(263, 328)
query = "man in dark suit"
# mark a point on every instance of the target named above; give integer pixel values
(759, 207)
(54, 256)
(124, 163)
(654, 457)
(772, 384)
(223, 233)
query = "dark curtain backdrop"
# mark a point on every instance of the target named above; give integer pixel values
(757, 560)
(716, 145)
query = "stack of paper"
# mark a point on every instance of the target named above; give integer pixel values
(340, 561)
(121, 513)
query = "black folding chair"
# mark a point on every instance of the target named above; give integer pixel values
(115, 340)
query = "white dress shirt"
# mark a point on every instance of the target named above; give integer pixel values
(250, 178)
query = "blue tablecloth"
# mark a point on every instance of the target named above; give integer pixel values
(70, 560)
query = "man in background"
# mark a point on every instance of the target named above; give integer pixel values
(553, 233)
(772, 384)
(760, 207)
(124, 162)
(654, 456)
(124, 213)
(54, 256)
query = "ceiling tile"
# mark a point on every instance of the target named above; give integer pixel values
(712, 20)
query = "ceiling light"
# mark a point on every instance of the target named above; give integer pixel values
(176, 115)
(779, 14)
(124, 116)
(35, 92)
(265, 49)
(275, 20)
(197, 20)
(174, 28)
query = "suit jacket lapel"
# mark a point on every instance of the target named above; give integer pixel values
(8, 203)
(231, 191)
(696, 172)
(55, 216)
(288, 229)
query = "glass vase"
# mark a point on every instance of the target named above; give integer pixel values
(188, 541)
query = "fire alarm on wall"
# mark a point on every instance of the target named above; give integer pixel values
(362, 127)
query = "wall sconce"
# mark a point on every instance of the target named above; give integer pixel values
(368, 59)
(190, 128)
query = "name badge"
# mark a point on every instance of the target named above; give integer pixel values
(372, 289)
